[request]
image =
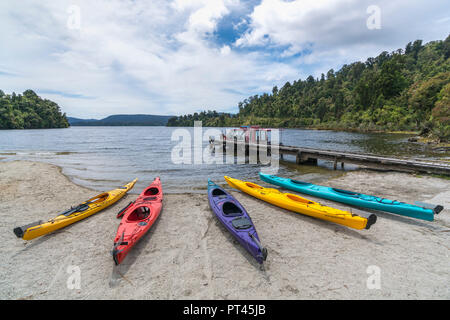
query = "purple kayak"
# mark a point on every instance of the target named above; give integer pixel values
(234, 217)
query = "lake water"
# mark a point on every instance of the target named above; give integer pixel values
(104, 158)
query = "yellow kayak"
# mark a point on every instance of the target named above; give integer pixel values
(73, 215)
(298, 204)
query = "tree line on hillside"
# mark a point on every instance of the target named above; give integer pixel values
(209, 118)
(122, 120)
(403, 90)
(29, 111)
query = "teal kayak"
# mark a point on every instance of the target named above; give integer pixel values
(425, 212)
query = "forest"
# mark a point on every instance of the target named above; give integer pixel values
(29, 111)
(404, 90)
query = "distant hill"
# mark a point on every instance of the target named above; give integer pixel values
(122, 120)
(73, 121)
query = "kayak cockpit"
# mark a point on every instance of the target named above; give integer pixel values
(252, 185)
(139, 214)
(218, 192)
(229, 209)
(300, 182)
(151, 191)
(298, 199)
(346, 192)
(98, 199)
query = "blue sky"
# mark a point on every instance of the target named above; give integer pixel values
(96, 58)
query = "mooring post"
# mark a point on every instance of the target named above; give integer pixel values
(342, 165)
(298, 158)
(335, 164)
(257, 151)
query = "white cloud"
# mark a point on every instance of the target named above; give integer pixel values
(203, 16)
(289, 23)
(335, 31)
(225, 50)
(131, 56)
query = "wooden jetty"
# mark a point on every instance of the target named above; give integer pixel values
(311, 156)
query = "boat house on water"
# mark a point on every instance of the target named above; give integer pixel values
(248, 134)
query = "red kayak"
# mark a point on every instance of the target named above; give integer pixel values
(137, 218)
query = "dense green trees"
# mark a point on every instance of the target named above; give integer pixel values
(402, 90)
(29, 111)
(209, 118)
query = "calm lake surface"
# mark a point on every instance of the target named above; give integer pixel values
(104, 158)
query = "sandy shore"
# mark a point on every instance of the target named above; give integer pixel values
(189, 255)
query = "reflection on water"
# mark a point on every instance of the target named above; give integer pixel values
(104, 157)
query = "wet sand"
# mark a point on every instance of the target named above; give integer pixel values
(189, 255)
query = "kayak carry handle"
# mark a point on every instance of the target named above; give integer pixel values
(264, 254)
(121, 212)
(20, 231)
(435, 207)
(371, 219)
(114, 251)
(263, 250)
(438, 209)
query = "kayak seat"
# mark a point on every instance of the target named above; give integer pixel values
(230, 209)
(241, 223)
